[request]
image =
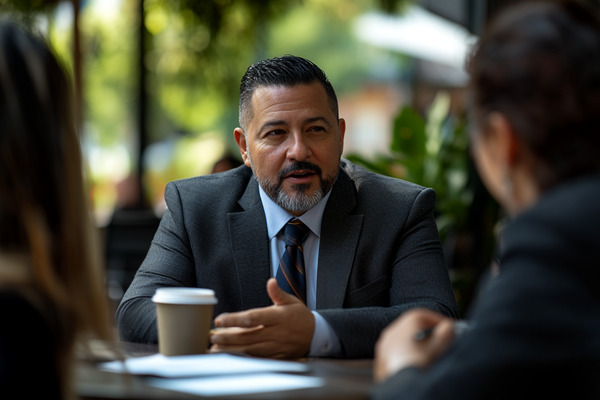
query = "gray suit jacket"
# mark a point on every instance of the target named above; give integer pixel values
(379, 255)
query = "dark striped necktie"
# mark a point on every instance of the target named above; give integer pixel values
(291, 273)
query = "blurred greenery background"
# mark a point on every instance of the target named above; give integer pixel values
(157, 83)
(169, 70)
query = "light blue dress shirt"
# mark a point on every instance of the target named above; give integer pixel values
(325, 342)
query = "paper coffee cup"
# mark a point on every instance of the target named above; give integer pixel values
(184, 317)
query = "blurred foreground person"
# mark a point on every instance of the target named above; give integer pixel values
(535, 331)
(51, 288)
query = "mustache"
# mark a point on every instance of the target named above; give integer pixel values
(298, 166)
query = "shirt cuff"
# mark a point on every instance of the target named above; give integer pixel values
(325, 342)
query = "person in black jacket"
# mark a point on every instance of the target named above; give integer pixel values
(534, 331)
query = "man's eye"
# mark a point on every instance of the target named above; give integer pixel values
(317, 129)
(276, 132)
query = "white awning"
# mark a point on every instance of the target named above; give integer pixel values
(417, 33)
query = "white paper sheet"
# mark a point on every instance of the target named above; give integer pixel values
(200, 365)
(230, 385)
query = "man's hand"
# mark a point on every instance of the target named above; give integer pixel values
(399, 347)
(283, 330)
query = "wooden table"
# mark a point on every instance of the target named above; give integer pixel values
(344, 380)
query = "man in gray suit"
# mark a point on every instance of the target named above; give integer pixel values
(372, 249)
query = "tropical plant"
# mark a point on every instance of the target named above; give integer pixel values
(433, 152)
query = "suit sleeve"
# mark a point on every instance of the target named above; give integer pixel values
(416, 277)
(169, 262)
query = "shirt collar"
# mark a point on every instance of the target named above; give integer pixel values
(277, 217)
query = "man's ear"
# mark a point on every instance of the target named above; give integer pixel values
(342, 128)
(502, 136)
(240, 139)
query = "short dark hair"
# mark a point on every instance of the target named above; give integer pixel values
(538, 64)
(288, 70)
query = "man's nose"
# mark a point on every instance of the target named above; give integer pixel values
(299, 147)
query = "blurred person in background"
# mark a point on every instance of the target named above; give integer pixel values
(52, 293)
(225, 163)
(535, 330)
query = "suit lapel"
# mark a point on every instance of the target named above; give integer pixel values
(250, 245)
(339, 237)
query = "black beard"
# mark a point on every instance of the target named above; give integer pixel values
(301, 202)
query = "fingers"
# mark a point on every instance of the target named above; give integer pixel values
(259, 316)
(259, 341)
(261, 349)
(424, 318)
(248, 319)
(443, 335)
(235, 335)
(243, 319)
(278, 296)
(403, 343)
(283, 330)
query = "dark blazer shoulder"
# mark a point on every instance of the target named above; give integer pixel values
(234, 177)
(361, 176)
(384, 189)
(223, 187)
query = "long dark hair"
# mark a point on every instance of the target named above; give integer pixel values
(44, 212)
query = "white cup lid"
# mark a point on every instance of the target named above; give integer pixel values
(184, 295)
